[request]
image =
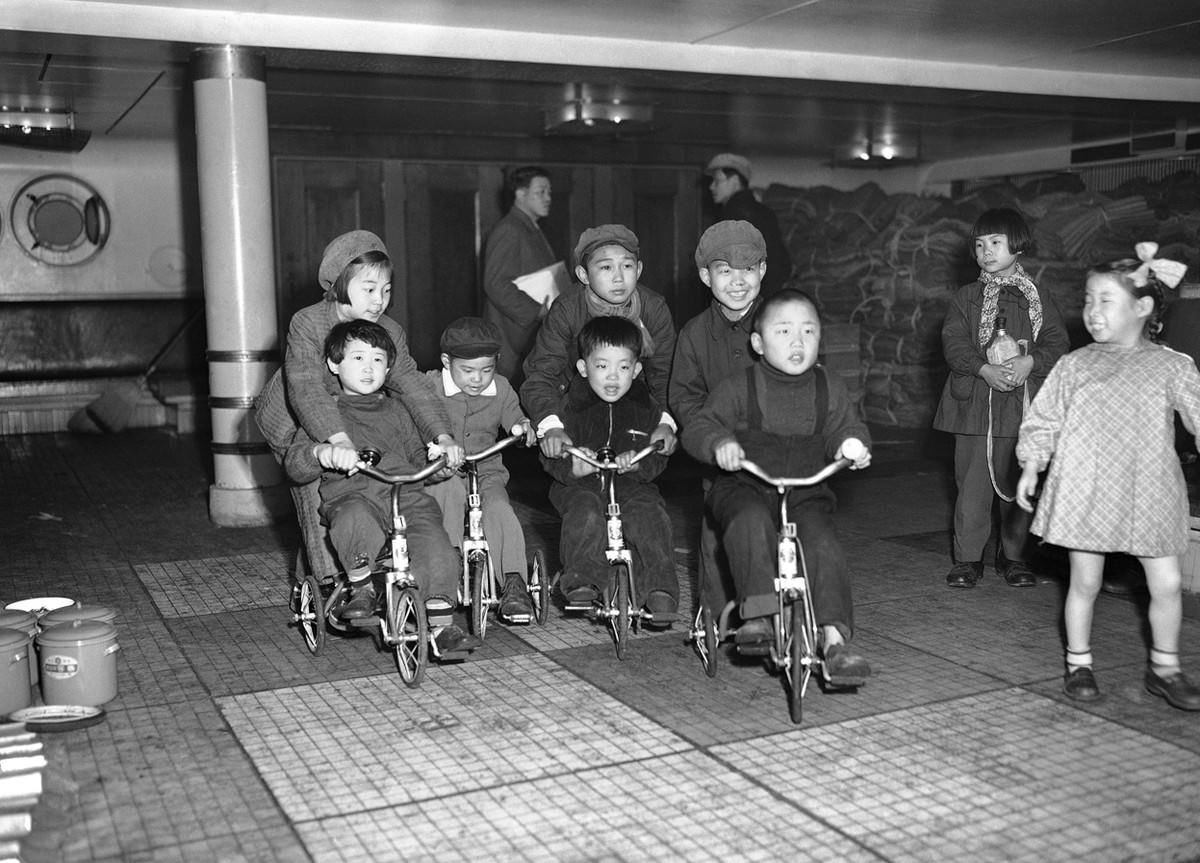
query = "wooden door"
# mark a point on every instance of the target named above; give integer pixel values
(662, 206)
(441, 240)
(315, 201)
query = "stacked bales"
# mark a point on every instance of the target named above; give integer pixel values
(890, 263)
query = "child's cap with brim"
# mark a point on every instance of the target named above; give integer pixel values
(605, 235)
(469, 338)
(736, 242)
(344, 249)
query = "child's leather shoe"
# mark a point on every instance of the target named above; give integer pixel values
(454, 639)
(965, 574)
(662, 608)
(843, 667)
(515, 603)
(362, 602)
(1079, 684)
(1176, 689)
(753, 637)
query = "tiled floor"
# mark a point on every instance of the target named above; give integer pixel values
(228, 741)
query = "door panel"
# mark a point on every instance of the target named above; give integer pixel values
(315, 201)
(441, 238)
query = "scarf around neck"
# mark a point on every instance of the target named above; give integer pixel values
(992, 285)
(631, 310)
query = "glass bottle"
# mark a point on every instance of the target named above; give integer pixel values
(1001, 347)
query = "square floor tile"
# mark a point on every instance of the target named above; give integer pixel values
(351, 745)
(182, 588)
(995, 776)
(675, 807)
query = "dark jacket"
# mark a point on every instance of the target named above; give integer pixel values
(710, 348)
(623, 425)
(550, 366)
(515, 247)
(964, 407)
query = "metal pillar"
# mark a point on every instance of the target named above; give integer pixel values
(233, 169)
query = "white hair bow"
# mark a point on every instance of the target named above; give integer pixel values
(1170, 273)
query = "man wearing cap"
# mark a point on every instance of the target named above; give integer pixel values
(479, 402)
(729, 185)
(516, 247)
(607, 262)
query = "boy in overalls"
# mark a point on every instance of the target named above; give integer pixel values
(790, 418)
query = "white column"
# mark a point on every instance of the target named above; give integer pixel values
(233, 169)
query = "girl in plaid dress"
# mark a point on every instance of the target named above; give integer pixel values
(1106, 415)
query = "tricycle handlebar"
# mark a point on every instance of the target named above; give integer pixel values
(494, 448)
(796, 482)
(608, 464)
(424, 473)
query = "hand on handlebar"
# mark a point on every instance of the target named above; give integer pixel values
(340, 456)
(452, 449)
(666, 435)
(525, 427)
(729, 454)
(853, 450)
(553, 442)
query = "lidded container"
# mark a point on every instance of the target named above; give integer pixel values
(15, 689)
(71, 613)
(78, 663)
(40, 605)
(27, 622)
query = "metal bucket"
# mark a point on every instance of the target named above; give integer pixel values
(72, 613)
(15, 690)
(78, 663)
(27, 622)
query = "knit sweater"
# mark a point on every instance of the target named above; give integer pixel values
(311, 388)
(788, 405)
(376, 421)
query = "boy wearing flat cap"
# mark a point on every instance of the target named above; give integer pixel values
(729, 185)
(479, 402)
(731, 258)
(607, 262)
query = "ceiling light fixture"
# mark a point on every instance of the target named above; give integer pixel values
(41, 128)
(888, 150)
(591, 109)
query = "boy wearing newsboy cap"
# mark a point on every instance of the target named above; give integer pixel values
(608, 263)
(479, 402)
(729, 183)
(731, 258)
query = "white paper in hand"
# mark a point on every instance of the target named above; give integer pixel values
(543, 286)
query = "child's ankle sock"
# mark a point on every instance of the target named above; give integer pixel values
(1164, 663)
(1078, 659)
(358, 576)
